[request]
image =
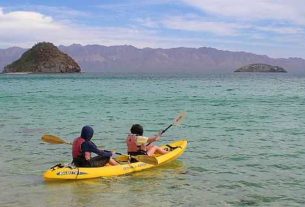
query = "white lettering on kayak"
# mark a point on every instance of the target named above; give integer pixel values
(71, 173)
(141, 164)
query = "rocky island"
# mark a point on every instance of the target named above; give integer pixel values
(259, 67)
(43, 57)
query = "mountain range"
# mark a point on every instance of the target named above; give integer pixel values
(126, 58)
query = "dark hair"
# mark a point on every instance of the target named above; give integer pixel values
(87, 132)
(137, 129)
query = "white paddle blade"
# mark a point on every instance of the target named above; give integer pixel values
(179, 119)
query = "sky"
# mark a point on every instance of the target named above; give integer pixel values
(268, 27)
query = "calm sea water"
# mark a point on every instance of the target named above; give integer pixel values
(245, 132)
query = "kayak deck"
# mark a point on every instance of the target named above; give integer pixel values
(62, 172)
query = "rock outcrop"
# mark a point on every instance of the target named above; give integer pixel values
(43, 57)
(259, 67)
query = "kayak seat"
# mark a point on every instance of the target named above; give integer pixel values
(62, 166)
(171, 148)
(133, 160)
(57, 166)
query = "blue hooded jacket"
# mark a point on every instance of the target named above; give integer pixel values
(87, 132)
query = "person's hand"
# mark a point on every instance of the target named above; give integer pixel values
(157, 138)
(114, 155)
(159, 134)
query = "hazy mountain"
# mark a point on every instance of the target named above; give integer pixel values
(98, 58)
(9, 55)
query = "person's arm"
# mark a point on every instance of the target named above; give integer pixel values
(89, 146)
(153, 139)
(87, 156)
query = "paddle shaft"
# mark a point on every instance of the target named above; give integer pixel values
(117, 153)
(163, 131)
(176, 121)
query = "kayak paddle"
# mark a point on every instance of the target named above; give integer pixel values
(142, 158)
(52, 139)
(177, 121)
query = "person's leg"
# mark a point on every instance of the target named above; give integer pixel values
(81, 162)
(133, 160)
(155, 149)
(99, 161)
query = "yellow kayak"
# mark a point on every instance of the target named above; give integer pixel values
(67, 172)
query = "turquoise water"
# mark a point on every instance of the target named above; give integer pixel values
(245, 132)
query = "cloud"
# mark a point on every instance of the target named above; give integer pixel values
(25, 25)
(148, 22)
(198, 24)
(283, 10)
(24, 20)
(281, 30)
(25, 28)
(211, 26)
(220, 28)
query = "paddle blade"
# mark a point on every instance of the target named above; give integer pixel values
(179, 119)
(51, 139)
(147, 159)
(122, 158)
(141, 158)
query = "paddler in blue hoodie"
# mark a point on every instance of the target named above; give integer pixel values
(83, 147)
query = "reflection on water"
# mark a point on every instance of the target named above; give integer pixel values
(119, 190)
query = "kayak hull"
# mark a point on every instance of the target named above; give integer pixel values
(60, 172)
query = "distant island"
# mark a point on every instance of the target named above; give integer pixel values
(260, 67)
(43, 57)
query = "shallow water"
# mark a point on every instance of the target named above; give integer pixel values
(245, 135)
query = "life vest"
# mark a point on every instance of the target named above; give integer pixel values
(77, 147)
(131, 142)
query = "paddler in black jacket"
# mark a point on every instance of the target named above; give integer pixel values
(83, 147)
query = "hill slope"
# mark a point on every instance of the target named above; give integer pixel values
(43, 57)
